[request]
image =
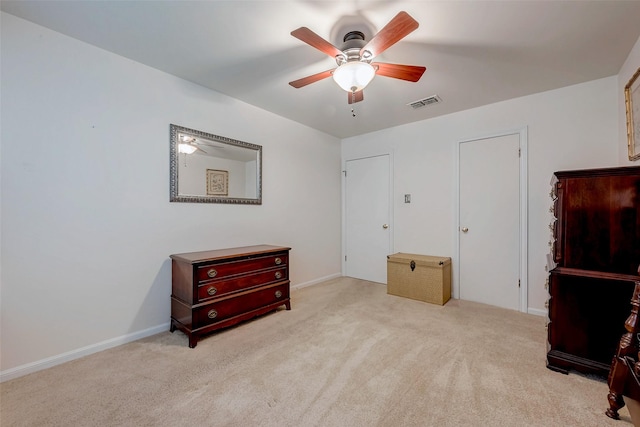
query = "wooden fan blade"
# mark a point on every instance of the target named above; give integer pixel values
(311, 79)
(314, 40)
(410, 73)
(399, 27)
(355, 96)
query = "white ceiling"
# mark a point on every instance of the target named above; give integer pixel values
(476, 52)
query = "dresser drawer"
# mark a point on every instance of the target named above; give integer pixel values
(216, 288)
(230, 307)
(227, 269)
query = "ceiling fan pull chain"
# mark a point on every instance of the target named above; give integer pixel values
(353, 101)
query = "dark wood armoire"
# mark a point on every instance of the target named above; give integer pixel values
(596, 252)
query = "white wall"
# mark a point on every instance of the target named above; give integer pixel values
(87, 226)
(626, 72)
(569, 128)
(192, 173)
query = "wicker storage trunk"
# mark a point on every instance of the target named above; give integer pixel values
(421, 277)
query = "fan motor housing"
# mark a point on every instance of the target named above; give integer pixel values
(353, 43)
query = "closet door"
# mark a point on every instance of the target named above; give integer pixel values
(489, 234)
(367, 214)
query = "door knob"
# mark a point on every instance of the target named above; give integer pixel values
(385, 226)
(465, 229)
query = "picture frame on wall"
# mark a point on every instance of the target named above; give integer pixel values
(632, 104)
(217, 182)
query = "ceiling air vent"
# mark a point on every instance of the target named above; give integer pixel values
(430, 100)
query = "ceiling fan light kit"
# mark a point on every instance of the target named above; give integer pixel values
(186, 145)
(355, 70)
(354, 76)
(186, 148)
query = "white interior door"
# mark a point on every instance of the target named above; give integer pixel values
(489, 232)
(367, 218)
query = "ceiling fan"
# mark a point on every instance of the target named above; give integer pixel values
(355, 69)
(189, 144)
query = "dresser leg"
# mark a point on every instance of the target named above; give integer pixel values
(193, 341)
(172, 328)
(287, 305)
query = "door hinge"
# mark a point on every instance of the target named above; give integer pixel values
(345, 257)
(519, 152)
(518, 283)
(345, 173)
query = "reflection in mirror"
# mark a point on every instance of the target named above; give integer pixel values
(207, 168)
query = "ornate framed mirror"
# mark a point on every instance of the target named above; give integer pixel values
(207, 168)
(632, 104)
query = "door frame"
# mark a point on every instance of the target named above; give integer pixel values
(524, 269)
(344, 203)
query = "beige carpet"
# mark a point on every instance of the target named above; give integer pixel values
(347, 354)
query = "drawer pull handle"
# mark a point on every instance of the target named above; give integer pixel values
(278, 294)
(278, 275)
(212, 273)
(212, 291)
(212, 314)
(278, 261)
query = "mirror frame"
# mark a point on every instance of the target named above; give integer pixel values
(174, 196)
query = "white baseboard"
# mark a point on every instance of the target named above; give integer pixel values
(316, 281)
(49, 362)
(537, 311)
